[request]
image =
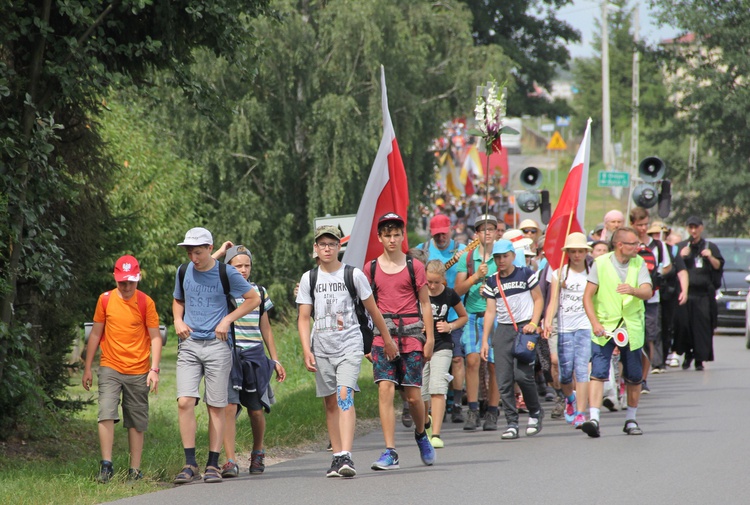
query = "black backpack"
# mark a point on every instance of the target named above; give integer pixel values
(363, 317)
(410, 268)
(231, 302)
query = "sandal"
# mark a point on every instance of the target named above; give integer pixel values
(534, 429)
(510, 433)
(212, 474)
(189, 473)
(634, 428)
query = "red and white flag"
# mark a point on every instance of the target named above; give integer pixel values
(571, 208)
(386, 191)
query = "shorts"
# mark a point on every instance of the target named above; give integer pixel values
(435, 376)
(471, 340)
(458, 350)
(134, 390)
(406, 370)
(334, 372)
(208, 359)
(553, 337)
(601, 358)
(653, 322)
(574, 351)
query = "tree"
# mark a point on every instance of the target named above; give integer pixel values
(536, 43)
(57, 61)
(708, 71)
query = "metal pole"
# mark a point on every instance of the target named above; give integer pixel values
(634, 134)
(606, 121)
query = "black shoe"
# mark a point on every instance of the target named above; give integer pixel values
(106, 471)
(335, 467)
(632, 428)
(591, 428)
(346, 467)
(698, 365)
(688, 361)
(456, 414)
(134, 474)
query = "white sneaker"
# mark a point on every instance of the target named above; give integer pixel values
(674, 362)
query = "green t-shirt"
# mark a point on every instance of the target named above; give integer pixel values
(474, 301)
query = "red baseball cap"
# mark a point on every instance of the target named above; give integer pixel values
(440, 224)
(127, 269)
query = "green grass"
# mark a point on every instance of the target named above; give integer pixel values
(62, 470)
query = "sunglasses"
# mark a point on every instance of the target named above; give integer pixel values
(529, 230)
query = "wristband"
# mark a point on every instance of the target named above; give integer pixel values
(535, 325)
(155, 370)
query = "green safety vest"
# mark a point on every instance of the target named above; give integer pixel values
(611, 306)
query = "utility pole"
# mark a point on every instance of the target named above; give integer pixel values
(634, 156)
(607, 124)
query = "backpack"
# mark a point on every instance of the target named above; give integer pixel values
(363, 317)
(231, 302)
(410, 268)
(652, 263)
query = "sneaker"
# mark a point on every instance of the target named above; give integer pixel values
(134, 474)
(674, 362)
(346, 466)
(426, 451)
(230, 469)
(490, 421)
(106, 471)
(428, 426)
(335, 466)
(406, 419)
(610, 404)
(645, 389)
(657, 370)
(330, 447)
(387, 461)
(559, 409)
(591, 428)
(437, 442)
(456, 414)
(549, 396)
(472, 420)
(257, 462)
(579, 420)
(570, 409)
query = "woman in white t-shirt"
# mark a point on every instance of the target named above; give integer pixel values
(574, 328)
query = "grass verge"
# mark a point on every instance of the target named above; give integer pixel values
(61, 470)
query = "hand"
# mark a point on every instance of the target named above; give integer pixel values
(280, 372)
(625, 289)
(598, 330)
(183, 331)
(222, 329)
(443, 326)
(685, 251)
(86, 380)
(310, 362)
(484, 351)
(682, 299)
(153, 381)
(390, 349)
(706, 253)
(530, 328)
(429, 346)
(482, 271)
(369, 357)
(546, 331)
(223, 249)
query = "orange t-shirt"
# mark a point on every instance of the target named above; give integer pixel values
(126, 345)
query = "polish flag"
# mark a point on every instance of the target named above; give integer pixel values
(386, 191)
(571, 208)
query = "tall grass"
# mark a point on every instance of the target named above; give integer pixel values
(62, 470)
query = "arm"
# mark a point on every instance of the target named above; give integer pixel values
(682, 276)
(644, 291)
(178, 311)
(464, 283)
(549, 316)
(156, 343)
(267, 334)
(429, 324)
(221, 251)
(489, 323)
(588, 305)
(533, 326)
(390, 348)
(303, 327)
(463, 317)
(252, 301)
(94, 338)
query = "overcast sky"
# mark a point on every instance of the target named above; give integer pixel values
(581, 15)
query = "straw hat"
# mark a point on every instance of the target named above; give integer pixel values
(576, 240)
(517, 237)
(657, 227)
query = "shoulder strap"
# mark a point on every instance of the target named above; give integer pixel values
(659, 251)
(263, 298)
(313, 281)
(373, 286)
(426, 245)
(470, 263)
(224, 277)
(181, 272)
(141, 301)
(507, 305)
(410, 267)
(105, 302)
(349, 281)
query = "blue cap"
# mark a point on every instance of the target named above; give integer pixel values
(502, 246)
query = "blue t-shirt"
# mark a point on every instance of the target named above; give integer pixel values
(205, 302)
(444, 256)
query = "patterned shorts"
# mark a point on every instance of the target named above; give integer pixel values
(404, 371)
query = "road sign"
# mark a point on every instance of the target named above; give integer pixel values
(609, 179)
(557, 143)
(548, 127)
(561, 121)
(344, 223)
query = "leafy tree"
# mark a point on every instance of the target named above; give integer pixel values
(531, 35)
(57, 60)
(708, 72)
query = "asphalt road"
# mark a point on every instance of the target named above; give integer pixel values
(694, 451)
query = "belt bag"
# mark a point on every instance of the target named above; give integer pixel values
(524, 347)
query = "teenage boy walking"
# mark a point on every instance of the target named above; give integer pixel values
(128, 319)
(334, 348)
(203, 321)
(400, 289)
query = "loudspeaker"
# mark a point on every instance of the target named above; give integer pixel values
(645, 195)
(531, 177)
(527, 201)
(652, 169)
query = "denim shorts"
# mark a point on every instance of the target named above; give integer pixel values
(471, 340)
(574, 355)
(601, 358)
(406, 370)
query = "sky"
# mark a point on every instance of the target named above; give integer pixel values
(581, 14)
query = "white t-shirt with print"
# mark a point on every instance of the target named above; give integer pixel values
(570, 313)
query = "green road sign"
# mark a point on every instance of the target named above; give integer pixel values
(608, 179)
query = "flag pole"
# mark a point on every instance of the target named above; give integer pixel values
(562, 264)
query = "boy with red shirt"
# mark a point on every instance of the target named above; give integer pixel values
(400, 296)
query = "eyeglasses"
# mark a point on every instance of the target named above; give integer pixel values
(529, 230)
(488, 229)
(327, 245)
